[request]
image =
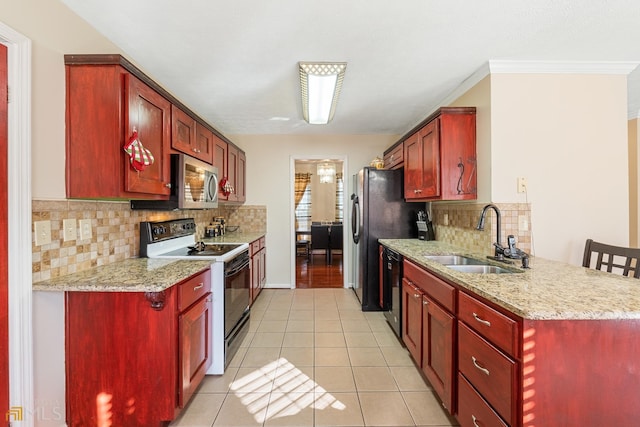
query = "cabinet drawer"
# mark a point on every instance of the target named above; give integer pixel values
(441, 292)
(193, 288)
(255, 247)
(501, 330)
(491, 372)
(473, 410)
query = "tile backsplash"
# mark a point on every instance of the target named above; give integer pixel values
(115, 232)
(455, 223)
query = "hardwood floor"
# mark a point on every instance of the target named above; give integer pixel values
(317, 274)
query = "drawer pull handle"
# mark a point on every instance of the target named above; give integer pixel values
(475, 363)
(416, 295)
(473, 417)
(481, 320)
(200, 286)
(425, 302)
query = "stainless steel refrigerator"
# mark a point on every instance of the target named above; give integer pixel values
(378, 211)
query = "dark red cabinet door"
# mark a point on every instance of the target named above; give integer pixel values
(194, 336)
(437, 350)
(149, 114)
(412, 319)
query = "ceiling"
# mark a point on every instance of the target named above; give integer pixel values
(235, 62)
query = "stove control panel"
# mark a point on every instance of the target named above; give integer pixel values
(151, 232)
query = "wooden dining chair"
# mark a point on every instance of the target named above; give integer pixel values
(320, 240)
(610, 257)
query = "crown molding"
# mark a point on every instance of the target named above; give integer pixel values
(538, 67)
(561, 67)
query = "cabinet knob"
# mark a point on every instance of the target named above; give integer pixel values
(425, 302)
(168, 185)
(196, 150)
(416, 295)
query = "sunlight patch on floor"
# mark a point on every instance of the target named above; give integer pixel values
(295, 391)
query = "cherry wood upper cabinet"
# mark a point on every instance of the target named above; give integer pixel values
(107, 99)
(204, 143)
(183, 131)
(221, 161)
(233, 161)
(149, 115)
(440, 156)
(104, 105)
(190, 136)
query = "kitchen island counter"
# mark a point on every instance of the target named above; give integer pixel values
(548, 290)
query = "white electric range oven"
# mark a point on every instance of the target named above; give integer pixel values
(230, 280)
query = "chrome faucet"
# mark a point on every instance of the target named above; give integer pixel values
(499, 252)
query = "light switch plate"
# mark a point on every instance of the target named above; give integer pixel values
(42, 232)
(84, 229)
(69, 229)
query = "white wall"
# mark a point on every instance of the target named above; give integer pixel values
(567, 135)
(269, 181)
(54, 31)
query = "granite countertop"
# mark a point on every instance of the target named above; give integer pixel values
(548, 290)
(130, 275)
(235, 237)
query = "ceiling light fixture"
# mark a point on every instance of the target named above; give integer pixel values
(320, 84)
(326, 172)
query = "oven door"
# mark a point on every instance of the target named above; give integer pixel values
(237, 285)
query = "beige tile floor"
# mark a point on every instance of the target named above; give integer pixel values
(313, 358)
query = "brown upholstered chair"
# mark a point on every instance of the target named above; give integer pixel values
(610, 257)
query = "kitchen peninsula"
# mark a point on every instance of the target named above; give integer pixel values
(549, 346)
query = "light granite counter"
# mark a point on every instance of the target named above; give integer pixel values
(548, 290)
(235, 237)
(130, 275)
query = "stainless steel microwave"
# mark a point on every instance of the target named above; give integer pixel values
(194, 185)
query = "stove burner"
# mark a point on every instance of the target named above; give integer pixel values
(198, 247)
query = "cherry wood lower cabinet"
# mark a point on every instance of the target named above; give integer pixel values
(529, 373)
(429, 328)
(492, 368)
(135, 358)
(258, 266)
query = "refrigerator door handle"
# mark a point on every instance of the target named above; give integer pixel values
(355, 219)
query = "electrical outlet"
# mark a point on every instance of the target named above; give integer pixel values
(69, 229)
(42, 232)
(84, 228)
(522, 185)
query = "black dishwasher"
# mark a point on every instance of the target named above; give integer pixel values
(392, 289)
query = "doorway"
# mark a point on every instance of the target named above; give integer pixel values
(318, 222)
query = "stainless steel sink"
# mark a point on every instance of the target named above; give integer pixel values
(455, 260)
(480, 269)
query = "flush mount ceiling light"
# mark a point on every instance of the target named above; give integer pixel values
(320, 84)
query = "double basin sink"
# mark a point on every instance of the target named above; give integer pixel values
(465, 264)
